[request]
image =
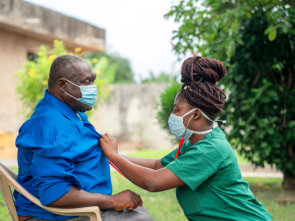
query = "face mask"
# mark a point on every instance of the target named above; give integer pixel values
(89, 94)
(180, 131)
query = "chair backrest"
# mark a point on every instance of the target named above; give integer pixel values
(8, 181)
(6, 176)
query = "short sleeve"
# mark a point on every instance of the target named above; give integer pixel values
(52, 177)
(197, 164)
(168, 158)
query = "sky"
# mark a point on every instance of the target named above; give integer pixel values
(135, 29)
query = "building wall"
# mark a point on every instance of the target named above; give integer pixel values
(13, 53)
(30, 19)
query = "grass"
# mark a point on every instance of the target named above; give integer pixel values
(148, 153)
(278, 202)
(163, 206)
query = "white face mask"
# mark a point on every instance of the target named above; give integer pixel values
(180, 131)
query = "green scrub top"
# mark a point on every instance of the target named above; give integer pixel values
(215, 189)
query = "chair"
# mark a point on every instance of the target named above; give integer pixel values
(8, 181)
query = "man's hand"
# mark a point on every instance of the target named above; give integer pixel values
(126, 200)
(109, 145)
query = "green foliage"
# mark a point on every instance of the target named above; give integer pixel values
(32, 80)
(123, 72)
(162, 77)
(256, 39)
(213, 28)
(165, 106)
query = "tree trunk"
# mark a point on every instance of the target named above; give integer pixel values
(289, 182)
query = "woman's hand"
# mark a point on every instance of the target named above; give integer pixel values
(109, 145)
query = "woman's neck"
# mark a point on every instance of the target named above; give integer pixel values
(195, 138)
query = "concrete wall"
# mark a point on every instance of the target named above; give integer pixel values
(130, 116)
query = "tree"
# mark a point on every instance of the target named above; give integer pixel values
(32, 79)
(123, 72)
(256, 40)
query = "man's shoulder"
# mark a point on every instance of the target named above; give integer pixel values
(44, 120)
(46, 113)
(44, 129)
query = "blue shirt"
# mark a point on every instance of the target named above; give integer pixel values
(57, 150)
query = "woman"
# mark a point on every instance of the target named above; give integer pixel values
(206, 175)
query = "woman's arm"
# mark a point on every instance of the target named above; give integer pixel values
(146, 178)
(145, 162)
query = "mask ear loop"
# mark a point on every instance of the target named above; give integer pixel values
(182, 139)
(187, 125)
(74, 85)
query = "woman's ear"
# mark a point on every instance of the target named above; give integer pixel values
(197, 114)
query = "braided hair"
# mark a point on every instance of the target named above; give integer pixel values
(199, 76)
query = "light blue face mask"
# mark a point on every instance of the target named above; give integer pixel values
(89, 94)
(180, 131)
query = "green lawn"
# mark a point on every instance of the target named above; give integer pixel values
(163, 206)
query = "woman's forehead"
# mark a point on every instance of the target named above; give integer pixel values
(180, 100)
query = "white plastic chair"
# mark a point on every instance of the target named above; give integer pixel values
(8, 181)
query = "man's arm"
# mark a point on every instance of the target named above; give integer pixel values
(145, 162)
(80, 198)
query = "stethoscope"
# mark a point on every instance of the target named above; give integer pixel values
(116, 168)
(182, 139)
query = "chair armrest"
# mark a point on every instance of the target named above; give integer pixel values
(91, 211)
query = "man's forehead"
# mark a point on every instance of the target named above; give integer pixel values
(81, 69)
(81, 66)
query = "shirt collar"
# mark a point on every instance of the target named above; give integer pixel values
(63, 108)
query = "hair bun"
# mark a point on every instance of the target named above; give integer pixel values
(196, 69)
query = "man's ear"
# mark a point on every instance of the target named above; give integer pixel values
(61, 84)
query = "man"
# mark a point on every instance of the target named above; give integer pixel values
(60, 160)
